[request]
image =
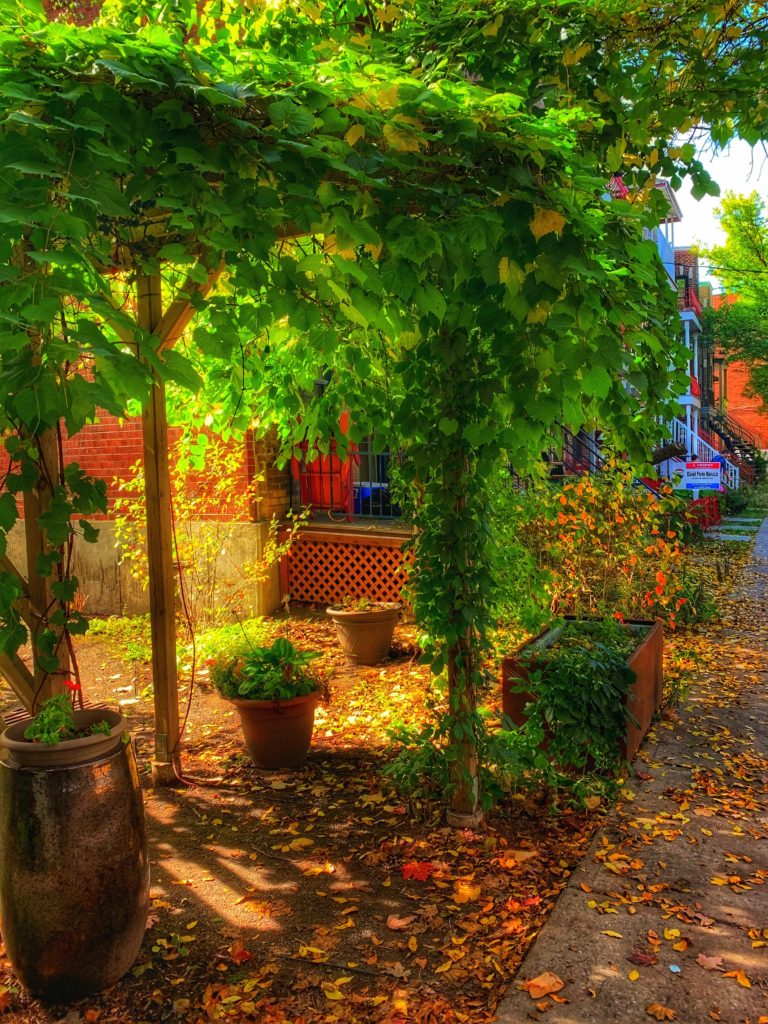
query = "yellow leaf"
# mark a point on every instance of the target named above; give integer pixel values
(387, 98)
(613, 935)
(492, 28)
(510, 272)
(413, 944)
(544, 222)
(573, 54)
(444, 967)
(633, 975)
(354, 134)
(671, 933)
(400, 135)
(592, 802)
(301, 843)
(464, 892)
(331, 992)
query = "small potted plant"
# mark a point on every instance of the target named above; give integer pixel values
(275, 694)
(364, 628)
(61, 737)
(74, 869)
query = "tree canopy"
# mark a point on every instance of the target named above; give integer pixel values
(741, 263)
(412, 196)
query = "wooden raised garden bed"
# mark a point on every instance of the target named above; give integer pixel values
(646, 661)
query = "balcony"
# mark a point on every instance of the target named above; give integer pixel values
(687, 299)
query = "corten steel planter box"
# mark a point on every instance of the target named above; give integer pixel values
(646, 661)
(365, 636)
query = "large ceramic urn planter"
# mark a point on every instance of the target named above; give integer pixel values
(74, 871)
(278, 733)
(365, 635)
(645, 694)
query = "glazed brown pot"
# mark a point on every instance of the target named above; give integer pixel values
(365, 636)
(74, 873)
(69, 752)
(645, 695)
(278, 733)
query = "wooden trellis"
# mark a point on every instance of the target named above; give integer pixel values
(323, 567)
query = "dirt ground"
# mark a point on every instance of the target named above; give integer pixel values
(317, 895)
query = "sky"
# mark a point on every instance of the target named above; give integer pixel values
(736, 169)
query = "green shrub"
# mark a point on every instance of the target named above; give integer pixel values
(279, 672)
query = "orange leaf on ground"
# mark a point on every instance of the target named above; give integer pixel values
(659, 1012)
(740, 976)
(399, 924)
(545, 984)
(709, 963)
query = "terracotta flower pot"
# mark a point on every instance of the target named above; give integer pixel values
(365, 636)
(645, 695)
(69, 752)
(74, 872)
(278, 733)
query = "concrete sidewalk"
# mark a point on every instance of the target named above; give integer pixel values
(666, 918)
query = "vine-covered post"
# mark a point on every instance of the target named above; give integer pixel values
(165, 767)
(44, 566)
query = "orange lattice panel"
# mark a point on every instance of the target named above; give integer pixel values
(324, 570)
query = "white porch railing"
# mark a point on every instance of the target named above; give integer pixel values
(696, 445)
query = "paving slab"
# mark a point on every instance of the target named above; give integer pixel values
(593, 962)
(680, 868)
(719, 535)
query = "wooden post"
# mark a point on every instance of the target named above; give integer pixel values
(160, 553)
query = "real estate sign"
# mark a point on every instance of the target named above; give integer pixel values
(702, 476)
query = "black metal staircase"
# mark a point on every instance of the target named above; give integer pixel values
(733, 437)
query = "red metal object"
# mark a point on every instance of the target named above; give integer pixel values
(704, 512)
(325, 481)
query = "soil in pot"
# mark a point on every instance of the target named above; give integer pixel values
(365, 635)
(74, 873)
(278, 733)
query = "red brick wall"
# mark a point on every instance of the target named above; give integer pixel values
(744, 409)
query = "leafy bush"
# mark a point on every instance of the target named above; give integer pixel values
(211, 501)
(594, 545)
(581, 683)
(279, 672)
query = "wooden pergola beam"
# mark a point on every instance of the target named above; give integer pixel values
(19, 678)
(177, 317)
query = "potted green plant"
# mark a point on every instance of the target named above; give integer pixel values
(74, 870)
(595, 683)
(275, 694)
(364, 628)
